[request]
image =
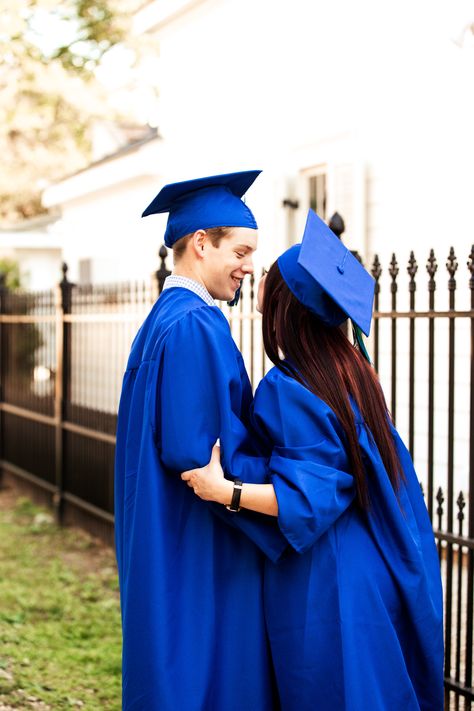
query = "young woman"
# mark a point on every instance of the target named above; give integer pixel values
(354, 607)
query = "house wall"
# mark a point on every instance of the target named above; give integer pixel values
(38, 255)
(101, 220)
(377, 95)
(380, 91)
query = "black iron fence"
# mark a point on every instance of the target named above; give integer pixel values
(63, 353)
(436, 352)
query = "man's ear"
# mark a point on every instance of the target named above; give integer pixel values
(199, 242)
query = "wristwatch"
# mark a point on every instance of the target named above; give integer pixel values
(235, 503)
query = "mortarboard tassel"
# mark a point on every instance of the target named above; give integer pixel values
(235, 300)
(357, 333)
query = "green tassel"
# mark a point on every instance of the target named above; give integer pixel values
(360, 342)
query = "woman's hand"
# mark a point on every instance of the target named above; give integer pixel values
(209, 482)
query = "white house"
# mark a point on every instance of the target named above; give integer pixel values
(37, 250)
(363, 108)
(360, 108)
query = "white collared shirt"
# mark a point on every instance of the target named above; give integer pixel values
(191, 285)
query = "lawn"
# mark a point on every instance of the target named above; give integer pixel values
(59, 614)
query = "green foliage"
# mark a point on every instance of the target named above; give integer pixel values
(28, 337)
(49, 96)
(92, 28)
(59, 615)
(10, 269)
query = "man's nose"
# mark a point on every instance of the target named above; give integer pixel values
(248, 267)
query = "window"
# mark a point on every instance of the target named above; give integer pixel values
(85, 271)
(317, 192)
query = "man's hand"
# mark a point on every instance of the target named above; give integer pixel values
(209, 482)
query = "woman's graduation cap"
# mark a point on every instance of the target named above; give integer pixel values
(214, 201)
(326, 278)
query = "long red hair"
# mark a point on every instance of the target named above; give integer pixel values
(323, 359)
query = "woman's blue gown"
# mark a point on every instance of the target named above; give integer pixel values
(354, 611)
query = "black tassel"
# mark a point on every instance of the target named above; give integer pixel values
(235, 300)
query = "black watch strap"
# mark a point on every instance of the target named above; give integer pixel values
(235, 503)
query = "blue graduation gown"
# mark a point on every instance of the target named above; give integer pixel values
(354, 611)
(191, 583)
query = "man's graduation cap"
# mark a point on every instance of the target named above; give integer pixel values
(214, 201)
(326, 278)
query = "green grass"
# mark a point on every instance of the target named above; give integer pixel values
(59, 614)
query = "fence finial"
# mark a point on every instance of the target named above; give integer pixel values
(470, 266)
(162, 272)
(451, 266)
(66, 287)
(431, 268)
(461, 503)
(376, 268)
(393, 271)
(64, 269)
(440, 510)
(412, 270)
(337, 225)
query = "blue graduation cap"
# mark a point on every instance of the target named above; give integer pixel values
(326, 278)
(214, 201)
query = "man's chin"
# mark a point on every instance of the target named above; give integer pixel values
(223, 296)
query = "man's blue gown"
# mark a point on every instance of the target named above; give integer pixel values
(354, 611)
(191, 582)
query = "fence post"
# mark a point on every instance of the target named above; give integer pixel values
(3, 290)
(63, 382)
(162, 272)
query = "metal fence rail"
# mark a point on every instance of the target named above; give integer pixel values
(63, 353)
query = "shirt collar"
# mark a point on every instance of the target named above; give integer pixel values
(186, 283)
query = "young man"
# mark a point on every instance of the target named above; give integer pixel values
(190, 582)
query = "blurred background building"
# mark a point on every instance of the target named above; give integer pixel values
(362, 108)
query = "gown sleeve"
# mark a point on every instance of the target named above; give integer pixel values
(188, 407)
(200, 395)
(308, 464)
(203, 395)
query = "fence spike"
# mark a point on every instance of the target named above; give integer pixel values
(162, 272)
(431, 268)
(393, 271)
(440, 500)
(376, 268)
(412, 265)
(64, 269)
(470, 266)
(412, 270)
(336, 224)
(451, 266)
(461, 503)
